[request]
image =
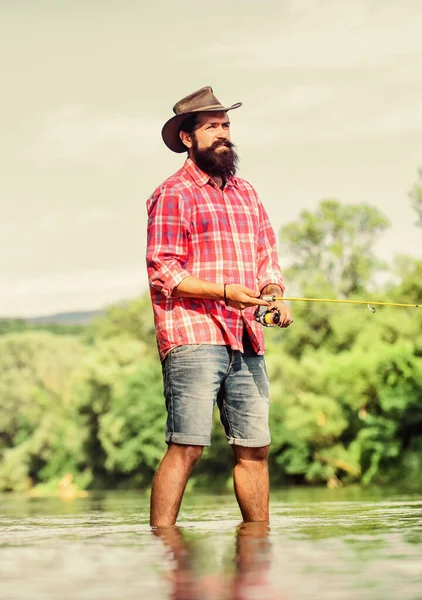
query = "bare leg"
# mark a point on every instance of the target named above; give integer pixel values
(169, 483)
(251, 482)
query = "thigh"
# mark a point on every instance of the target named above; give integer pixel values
(244, 402)
(193, 375)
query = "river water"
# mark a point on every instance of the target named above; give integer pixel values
(321, 544)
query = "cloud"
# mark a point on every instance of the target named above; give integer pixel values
(295, 99)
(329, 35)
(96, 215)
(80, 134)
(332, 112)
(80, 290)
(52, 223)
(401, 119)
(344, 123)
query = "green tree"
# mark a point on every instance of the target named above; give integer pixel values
(41, 433)
(131, 432)
(408, 273)
(345, 382)
(331, 249)
(119, 391)
(17, 325)
(330, 253)
(12, 325)
(351, 408)
(133, 319)
(416, 196)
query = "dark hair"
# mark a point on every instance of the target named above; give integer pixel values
(188, 124)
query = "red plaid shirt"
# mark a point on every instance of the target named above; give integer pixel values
(222, 236)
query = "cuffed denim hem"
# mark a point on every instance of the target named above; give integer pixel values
(250, 443)
(187, 439)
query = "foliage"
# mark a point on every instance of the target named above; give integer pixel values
(12, 325)
(40, 434)
(133, 319)
(346, 395)
(16, 325)
(416, 196)
(120, 396)
(353, 413)
(332, 249)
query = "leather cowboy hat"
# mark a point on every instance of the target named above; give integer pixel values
(202, 100)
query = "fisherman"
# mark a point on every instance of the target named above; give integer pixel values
(211, 255)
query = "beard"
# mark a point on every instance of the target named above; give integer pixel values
(216, 164)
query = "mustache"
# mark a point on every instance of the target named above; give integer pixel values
(219, 143)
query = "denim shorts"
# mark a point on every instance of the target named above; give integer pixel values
(198, 376)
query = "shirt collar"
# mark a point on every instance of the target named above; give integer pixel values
(201, 178)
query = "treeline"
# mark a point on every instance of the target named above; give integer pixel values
(15, 325)
(346, 403)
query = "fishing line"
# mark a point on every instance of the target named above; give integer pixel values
(368, 303)
(271, 317)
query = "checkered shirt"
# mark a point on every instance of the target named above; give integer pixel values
(222, 236)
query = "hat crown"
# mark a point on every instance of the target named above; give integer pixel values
(202, 99)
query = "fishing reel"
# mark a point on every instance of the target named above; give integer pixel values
(267, 317)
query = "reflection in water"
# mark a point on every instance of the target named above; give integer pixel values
(253, 560)
(183, 579)
(248, 579)
(325, 545)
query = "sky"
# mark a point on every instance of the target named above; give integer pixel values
(332, 108)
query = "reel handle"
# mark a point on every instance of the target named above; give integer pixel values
(267, 318)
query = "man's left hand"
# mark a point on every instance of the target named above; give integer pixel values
(286, 318)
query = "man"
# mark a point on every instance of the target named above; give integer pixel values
(211, 254)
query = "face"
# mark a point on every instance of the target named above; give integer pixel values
(211, 128)
(210, 146)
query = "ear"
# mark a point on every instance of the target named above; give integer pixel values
(186, 139)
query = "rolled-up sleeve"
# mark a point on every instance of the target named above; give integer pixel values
(268, 267)
(167, 240)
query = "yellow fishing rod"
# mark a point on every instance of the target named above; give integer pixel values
(271, 317)
(368, 303)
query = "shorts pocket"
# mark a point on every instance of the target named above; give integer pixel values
(185, 349)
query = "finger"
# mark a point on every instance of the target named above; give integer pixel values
(251, 293)
(285, 319)
(286, 323)
(260, 302)
(251, 301)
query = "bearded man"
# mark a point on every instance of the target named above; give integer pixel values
(211, 254)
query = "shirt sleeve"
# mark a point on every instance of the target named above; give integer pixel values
(167, 240)
(268, 267)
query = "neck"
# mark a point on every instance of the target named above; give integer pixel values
(219, 181)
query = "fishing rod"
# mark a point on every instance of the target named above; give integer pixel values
(271, 317)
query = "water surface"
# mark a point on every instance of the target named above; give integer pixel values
(328, 544)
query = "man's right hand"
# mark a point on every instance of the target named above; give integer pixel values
(240, 296)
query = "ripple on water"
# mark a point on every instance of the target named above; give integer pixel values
(104, 548)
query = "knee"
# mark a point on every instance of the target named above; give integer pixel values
(188, 454)
(253, 454)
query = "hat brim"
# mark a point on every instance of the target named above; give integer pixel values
(171, 129)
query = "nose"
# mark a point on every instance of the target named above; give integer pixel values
(223, 133)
